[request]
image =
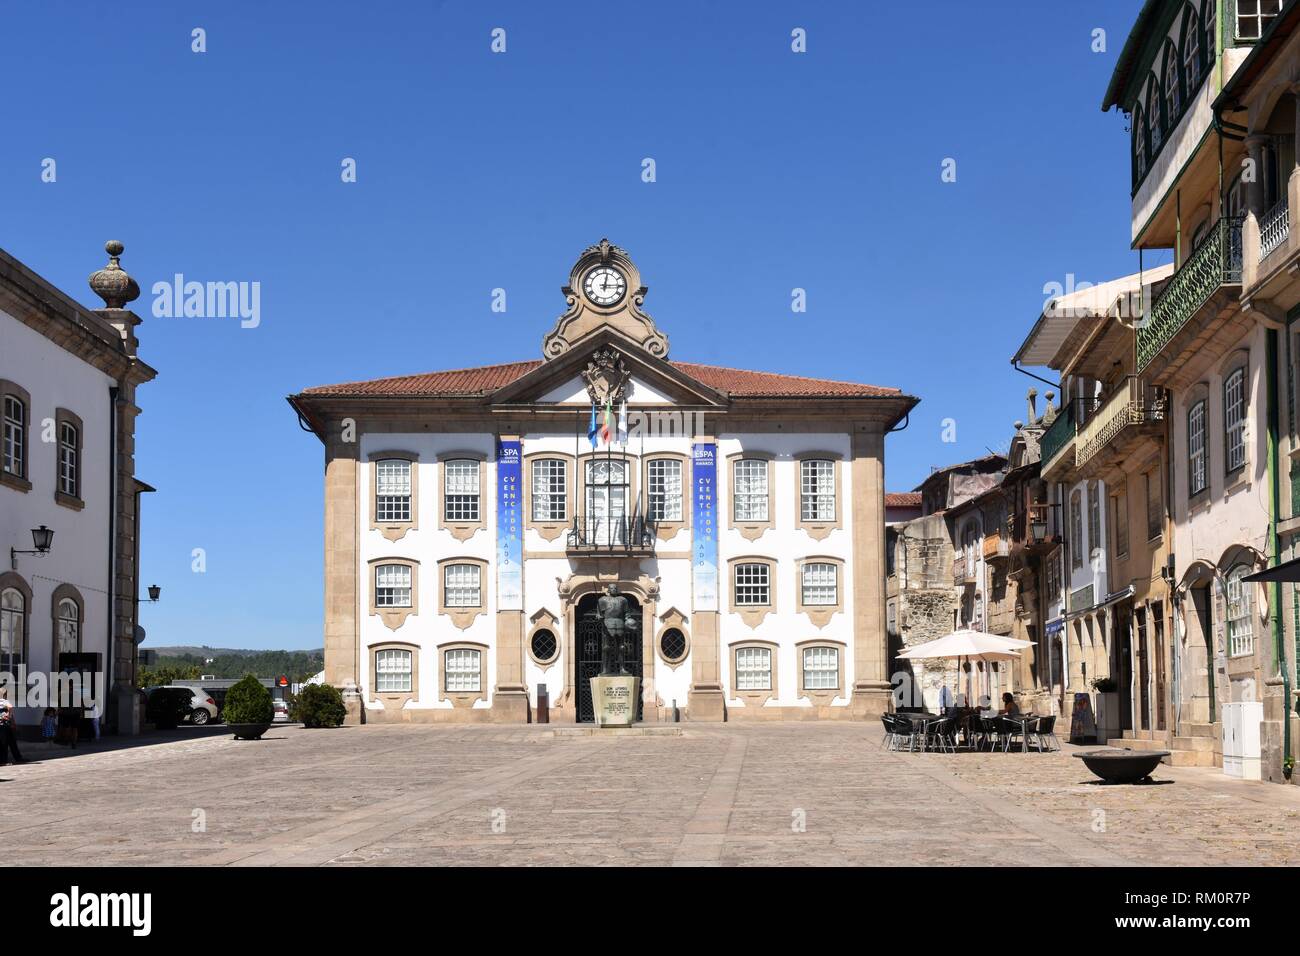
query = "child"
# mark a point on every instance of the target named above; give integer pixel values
(48, 724)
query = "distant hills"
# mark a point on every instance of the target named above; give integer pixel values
(189, 650)
(188, 662)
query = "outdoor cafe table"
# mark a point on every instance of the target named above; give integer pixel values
(1024, 720)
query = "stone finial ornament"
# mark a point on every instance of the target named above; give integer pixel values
(111, 283)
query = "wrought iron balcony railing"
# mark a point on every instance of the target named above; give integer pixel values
(1059, 434)
(1274, 227)
(1133, 403)
(624, 534)
(1215, 264)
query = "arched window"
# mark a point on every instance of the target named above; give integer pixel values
(1208, 24)
(15, 436)
(67, 637)
(1197, 473)
(1241, 632)
(1193, 68)
(1155, 121)
(1173, 85)
(1139, 141)
(13, 629)
(1234, 419)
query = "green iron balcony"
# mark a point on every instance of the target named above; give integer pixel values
(1059, 434)
(1214, 264)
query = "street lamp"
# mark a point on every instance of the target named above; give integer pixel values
(42, 538)
(154, 592)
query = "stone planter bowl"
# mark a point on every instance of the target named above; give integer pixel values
(249, 731)
(1122, 766)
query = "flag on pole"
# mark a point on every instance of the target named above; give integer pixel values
(592, 428)
(622, 423)
(607, 423)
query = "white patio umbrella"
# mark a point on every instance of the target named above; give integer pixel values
(971, 645)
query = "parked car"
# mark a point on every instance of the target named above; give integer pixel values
(281, 708)
(172, 705)
(203, 706)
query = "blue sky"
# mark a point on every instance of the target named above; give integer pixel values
(476, 170)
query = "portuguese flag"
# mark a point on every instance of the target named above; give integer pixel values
(607, 423)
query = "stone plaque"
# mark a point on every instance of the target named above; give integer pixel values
(613, 698)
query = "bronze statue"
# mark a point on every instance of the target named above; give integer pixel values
(615, 614)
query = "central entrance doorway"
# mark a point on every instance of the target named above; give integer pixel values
(588, 633)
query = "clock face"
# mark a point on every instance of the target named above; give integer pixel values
(604, 285)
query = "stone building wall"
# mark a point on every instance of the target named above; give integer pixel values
(926, 601)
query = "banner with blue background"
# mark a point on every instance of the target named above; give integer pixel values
(704, 526)
(510, 542)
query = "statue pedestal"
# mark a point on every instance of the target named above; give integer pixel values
(613, 699)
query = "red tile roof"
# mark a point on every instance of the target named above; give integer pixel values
(902, 499)
(488, 378)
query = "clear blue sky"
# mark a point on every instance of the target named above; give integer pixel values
(479, 170)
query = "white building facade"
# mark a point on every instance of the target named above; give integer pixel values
(474, 517)
(68, 377)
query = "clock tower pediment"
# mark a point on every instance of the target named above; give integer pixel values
(604, 291)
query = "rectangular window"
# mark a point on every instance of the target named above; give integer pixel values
(1094, 517)
(549, 490)
(461, 488)
(462, 670)
(752, 585)
(393, 490)
(817, 490)
(1197, 473)
(461, 586)
(69, 475)
(1241, 633)
(1254, 16)
(1155, 523)
(821, 668)
(15, 437)
(1234, 419)
(392, 585)
(393, 672)
(665, 489)
(751, 490)
(753, 668)
(1076, 530)
(819, 585)
(1119, 512)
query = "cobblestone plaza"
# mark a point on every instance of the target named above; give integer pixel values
(731, 794)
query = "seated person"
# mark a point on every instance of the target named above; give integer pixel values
(1009, 708)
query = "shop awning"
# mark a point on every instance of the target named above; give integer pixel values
(1286, 571)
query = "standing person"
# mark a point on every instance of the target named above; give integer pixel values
(8, 736)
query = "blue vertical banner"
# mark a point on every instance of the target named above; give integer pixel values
(510, 541)
(704, 526)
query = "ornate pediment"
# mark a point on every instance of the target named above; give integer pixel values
(606, 376)
(604, 290)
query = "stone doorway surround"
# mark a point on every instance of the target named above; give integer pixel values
(626, 574)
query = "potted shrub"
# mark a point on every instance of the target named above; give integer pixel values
(1108, 725)
(248, 710)
(318, 705)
